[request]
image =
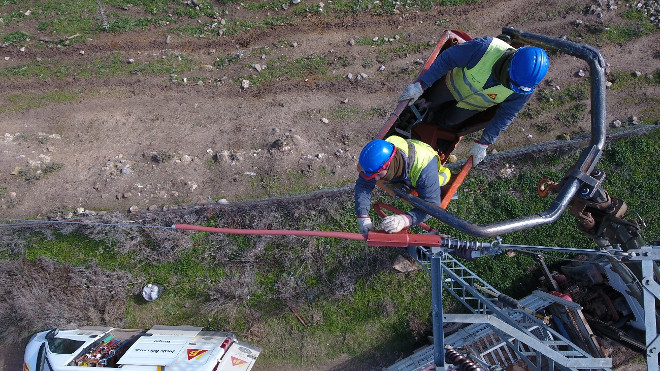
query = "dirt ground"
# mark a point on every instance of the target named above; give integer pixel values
(154, 142)
(146, 141)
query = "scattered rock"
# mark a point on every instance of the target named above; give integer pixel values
(133, 209)
(615, 124)
(245, 84)
(507, 171)
(633, 120)
(404, 265)
(324, 120)
(580, 73)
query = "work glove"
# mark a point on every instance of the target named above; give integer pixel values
(365, 224)
(395, 223)
(478, 153)
(412, 92)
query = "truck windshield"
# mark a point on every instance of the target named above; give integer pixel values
(64, 346)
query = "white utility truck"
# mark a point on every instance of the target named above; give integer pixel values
(162, 348)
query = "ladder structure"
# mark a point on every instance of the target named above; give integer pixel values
(495, 336)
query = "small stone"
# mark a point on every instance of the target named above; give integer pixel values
(349, 76)
(133, 209)
(82, 52)
(324, 120)
(404, 265)
(126, 195)
(131, 61)
(245, 84)
(351, 42)
(616, 124)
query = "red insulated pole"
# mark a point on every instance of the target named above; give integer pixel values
(375, 238)
(273, 232)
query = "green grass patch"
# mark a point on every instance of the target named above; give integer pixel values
(283, 69)
(15, 37)
(114, 65)
(626, 80)
(19, 102)
(78, 250)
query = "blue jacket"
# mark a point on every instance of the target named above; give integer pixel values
(428, 189)
(468, 55)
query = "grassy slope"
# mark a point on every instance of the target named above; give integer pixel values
(351, 302)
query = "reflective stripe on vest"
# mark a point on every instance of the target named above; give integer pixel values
(467, 85)
(420, 156)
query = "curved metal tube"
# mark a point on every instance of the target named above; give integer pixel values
(574, 178)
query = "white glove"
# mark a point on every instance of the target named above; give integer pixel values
(478, 153)
(412, 92)
(365, 224)
(395, 223)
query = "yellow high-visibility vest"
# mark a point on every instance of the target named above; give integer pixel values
(467, 85)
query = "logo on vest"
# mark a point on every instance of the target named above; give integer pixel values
(492, 96)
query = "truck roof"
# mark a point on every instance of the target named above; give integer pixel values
(174, 347)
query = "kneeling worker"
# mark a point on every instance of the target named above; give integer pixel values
(398, 160)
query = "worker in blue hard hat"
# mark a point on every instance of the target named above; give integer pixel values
(479, 74)
(398, 160)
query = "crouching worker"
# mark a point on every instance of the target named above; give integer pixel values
(397, 160)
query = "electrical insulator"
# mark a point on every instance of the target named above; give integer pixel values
(463, 363)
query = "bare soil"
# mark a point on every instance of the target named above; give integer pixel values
(146, 141)
(150, 143)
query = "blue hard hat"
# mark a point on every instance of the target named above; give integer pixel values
(375, 156)
(528, 67)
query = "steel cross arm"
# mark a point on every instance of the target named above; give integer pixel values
(645, 253)
(651, 295)
(574, 363)
(615, 253)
